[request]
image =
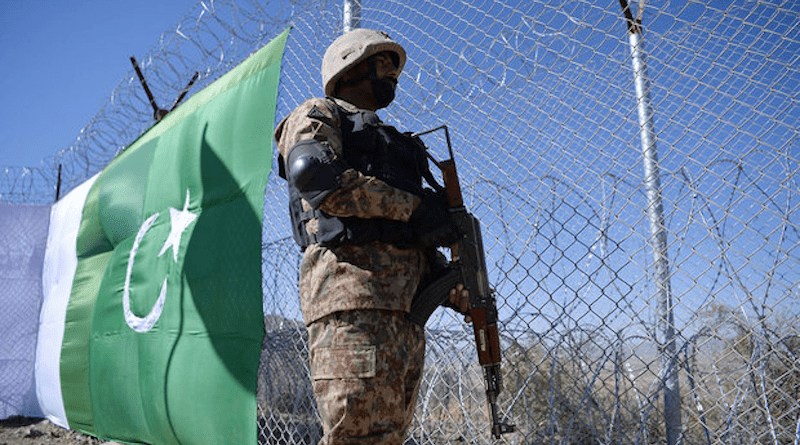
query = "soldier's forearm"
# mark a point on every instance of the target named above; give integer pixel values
(367, 197)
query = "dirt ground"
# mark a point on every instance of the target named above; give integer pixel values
(32, 431)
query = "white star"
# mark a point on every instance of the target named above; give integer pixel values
(180, 220)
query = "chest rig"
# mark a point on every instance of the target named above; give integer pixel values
(374, 149)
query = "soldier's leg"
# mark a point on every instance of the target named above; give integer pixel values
(366, 368)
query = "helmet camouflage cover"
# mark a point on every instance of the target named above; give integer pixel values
(352, 48)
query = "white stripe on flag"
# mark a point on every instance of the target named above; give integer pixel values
(60, 262)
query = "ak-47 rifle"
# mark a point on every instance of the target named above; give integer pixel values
(468, 267)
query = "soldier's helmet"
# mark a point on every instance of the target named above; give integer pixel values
(352, 48)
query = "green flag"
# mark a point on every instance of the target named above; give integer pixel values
(164, 324)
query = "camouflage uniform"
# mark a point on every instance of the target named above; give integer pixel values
(366, 358)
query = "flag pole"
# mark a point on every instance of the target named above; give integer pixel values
(58, 184)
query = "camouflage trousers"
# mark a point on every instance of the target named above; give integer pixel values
(366, 367)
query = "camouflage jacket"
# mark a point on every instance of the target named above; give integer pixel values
(371, 276)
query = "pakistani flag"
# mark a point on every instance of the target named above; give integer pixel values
(152, 322)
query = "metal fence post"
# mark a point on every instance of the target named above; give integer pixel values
(352, 15)
(665, 330)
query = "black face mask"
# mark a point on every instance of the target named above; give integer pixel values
(383, 91)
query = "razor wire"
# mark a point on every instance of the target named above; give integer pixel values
(540, 100)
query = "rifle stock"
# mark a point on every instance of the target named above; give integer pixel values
(468, 257)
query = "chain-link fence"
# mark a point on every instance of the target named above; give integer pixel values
(23, 237)
(632, 272)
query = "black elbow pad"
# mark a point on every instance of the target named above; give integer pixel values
(313, 170)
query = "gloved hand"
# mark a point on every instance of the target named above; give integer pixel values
(432, 224)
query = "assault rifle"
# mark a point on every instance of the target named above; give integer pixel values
(467, 266)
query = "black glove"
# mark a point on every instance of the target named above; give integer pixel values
(432, 224)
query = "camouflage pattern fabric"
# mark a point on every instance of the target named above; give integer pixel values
(366, 368)
(366, 358)
(372, 276)
(359, 195)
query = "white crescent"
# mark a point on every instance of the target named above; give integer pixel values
(136, 323)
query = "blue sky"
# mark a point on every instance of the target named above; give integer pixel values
(60, 62)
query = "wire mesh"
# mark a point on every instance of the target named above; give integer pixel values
(539, 97)
(23, 236)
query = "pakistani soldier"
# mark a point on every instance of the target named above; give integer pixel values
(369, 228)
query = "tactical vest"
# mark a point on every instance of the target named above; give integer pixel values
(374, 149)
